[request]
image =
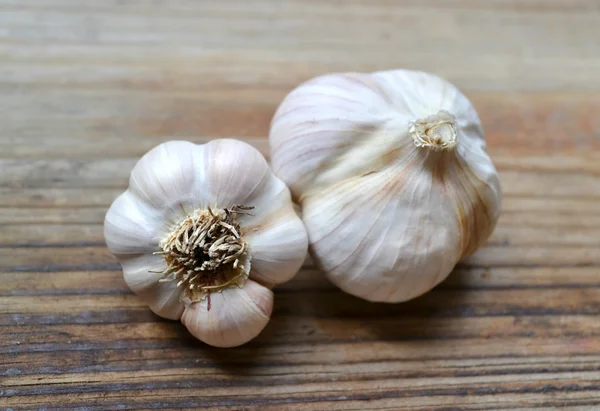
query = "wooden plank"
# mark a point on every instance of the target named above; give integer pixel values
(321, 37)
(83, 282)
(440, 302)
(92, 336)
(65, 216)
(538, 123)
(57, 197)
(453, 357)
(56, 258)
(86, 88)
(308, 279)
(504, 397)
(76, 235)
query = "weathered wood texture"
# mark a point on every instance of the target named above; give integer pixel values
(86, 87)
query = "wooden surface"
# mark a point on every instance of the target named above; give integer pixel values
(86, 87)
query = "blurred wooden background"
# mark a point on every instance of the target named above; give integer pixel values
(86, 87)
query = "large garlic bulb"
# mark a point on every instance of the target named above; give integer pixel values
(202, 233)
(392, 175)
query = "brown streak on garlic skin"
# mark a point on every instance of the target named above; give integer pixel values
(439, 133)
(482, 223)
(206, 252)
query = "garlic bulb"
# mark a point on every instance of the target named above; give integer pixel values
(202, 233)
(392, 175)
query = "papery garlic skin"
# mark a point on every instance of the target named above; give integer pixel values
(392, 175)
(179, 181)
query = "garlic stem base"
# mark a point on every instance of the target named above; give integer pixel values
(437, 132)
(206, 253)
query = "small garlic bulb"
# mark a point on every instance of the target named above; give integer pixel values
(392, 175)
(202, 233)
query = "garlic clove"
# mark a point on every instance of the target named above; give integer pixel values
(131, 227)
(276, 237)
(143, 274)
(231, 317)
(236, 172)
(163, 174)
(279, 246)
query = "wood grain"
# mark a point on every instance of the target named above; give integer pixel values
(87, 87)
